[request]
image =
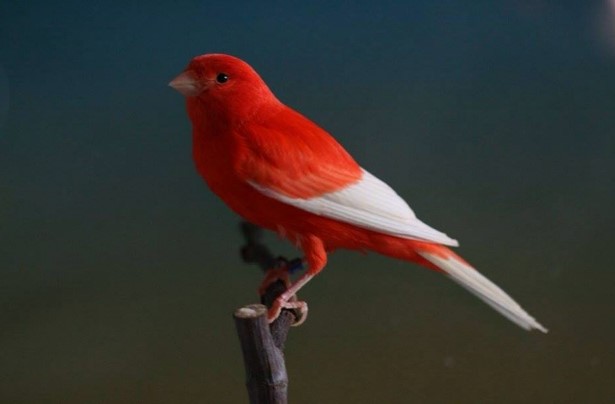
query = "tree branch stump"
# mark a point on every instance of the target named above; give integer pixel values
(262, 344)
(266, 377)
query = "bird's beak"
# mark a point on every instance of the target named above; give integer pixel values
(186, 84)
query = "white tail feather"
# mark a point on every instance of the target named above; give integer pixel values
(485, 290)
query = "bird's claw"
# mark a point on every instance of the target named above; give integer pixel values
(299, 307)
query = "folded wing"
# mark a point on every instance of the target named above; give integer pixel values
(294, 161)
(369, 203)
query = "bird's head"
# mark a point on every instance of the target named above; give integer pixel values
(222, 86)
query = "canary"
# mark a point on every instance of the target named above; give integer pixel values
(279, 170)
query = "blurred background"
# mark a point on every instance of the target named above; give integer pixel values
(119, 270)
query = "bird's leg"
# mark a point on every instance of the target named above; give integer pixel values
(316, 257)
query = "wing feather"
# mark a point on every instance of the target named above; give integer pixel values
(369, 203)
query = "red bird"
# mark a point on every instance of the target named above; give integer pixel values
(281, 171)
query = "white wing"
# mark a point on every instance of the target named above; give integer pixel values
(371, 204)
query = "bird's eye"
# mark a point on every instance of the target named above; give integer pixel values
(222, 78)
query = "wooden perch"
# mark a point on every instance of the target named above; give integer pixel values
(266, 377)
(262, 344)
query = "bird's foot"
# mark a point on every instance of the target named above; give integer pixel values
(282, 302)
(288, 299)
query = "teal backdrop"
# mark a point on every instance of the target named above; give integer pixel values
(119, 270)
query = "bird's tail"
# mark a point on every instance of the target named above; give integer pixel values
(465, 275)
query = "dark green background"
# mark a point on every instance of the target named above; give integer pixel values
(119, 269)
